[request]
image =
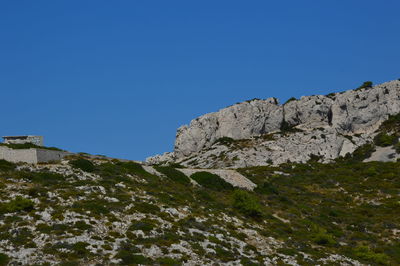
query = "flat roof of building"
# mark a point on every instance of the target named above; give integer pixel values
(17, 137)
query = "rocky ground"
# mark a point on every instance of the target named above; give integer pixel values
(85, 211)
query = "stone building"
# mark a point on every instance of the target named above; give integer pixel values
(30, 155)
(37, 140)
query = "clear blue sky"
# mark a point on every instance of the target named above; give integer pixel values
(118, 77)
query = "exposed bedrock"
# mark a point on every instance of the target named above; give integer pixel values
(353, 112)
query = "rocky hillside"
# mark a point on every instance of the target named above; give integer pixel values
(93, 211)
(316, 182)
(263, 132)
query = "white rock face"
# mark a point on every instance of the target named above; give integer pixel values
(238, 122)
(328, 124)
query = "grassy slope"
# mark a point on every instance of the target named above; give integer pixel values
(119, 211)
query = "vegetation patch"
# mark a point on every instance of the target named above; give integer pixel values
(385, 140)
(16, 205)
(365, 253)
(6, 166)
(246, 203)
(211, 181)
(173, 174)
(29, 146)
(365, 85)
(227, 141)
(144, 225)
(83, 164)
(4, 259)
(291, 99)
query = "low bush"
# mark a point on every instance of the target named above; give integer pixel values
(397, 147)
(211, 181)
(168, 261)
(98, 207)
(361, 153)
(365, 85)
(127, 258)
(43, 178)
(6, 166)
(286, 127)
(118, 168)
(365, 253)
(80, 249)
(81, 225)
(227, 141)
(173, 174)
(83, 164)
(145, 226)
(132, 168)
(126, 253)
(321, 237)
(266, 188)
(4, 259)
(16, 205)
(29, 146)
(246, 203)
(384, 140)
(291, 99)
(145, 207)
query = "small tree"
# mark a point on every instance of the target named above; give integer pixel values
(365, 85)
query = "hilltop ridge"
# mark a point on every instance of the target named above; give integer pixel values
(265, 132)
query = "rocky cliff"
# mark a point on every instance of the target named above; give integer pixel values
(325, 126)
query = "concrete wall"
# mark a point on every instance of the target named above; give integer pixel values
(16, 156)
(50, 155)
(31, 155)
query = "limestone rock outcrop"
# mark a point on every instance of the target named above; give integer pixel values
(327, 126)
(239, 121)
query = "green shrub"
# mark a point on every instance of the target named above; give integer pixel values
(145, 226)
(227, 141)
(43, 178)
(16, 205)
(126, 253)
(4, 259)
(117, 168)
(131, 259)
(361, 153)
(365, 253)
(98, 207)
(211, 181)
(286, 127)
(145, 207)
(173, 174)
(132, 168)
(80, 249)
(168, 261)
(384, 140)
(28, 146)
(291, 99)
(176, 165)
(365, 85)
(266, 188)
(397, 147)
(321, 237)
(82, 225)
(247, 204)
(83, 164)
(6, 166)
